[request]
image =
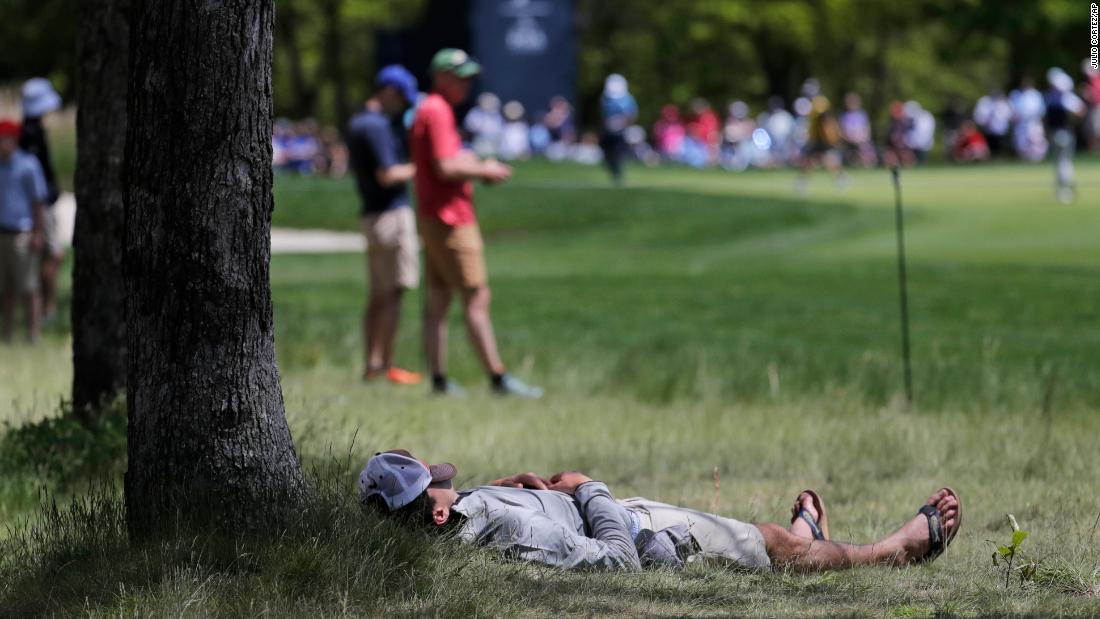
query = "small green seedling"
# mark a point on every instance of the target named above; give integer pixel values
(1006, 556)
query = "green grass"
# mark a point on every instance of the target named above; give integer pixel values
(690, 285)
(652, 315)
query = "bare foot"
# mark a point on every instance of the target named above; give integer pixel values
(912, 538)
(800, 527)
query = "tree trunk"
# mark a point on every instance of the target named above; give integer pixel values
(334, 48)
(99, 327)
(208, 438)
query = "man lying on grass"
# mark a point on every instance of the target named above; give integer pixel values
(572, 521)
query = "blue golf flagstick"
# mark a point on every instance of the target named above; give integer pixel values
(902, 285)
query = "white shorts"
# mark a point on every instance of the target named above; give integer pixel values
(720, 538)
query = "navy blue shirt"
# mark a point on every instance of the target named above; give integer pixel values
(376, 142)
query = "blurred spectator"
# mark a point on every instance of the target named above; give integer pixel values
(738, 149)
(485, 124)
(969, 144)
(823, 133)
(668, 134)
(39, 99)
(561, 128)
(302, 147)
(1092, 99)
(779, 125)
(280, 141)
(515, 134)
(559, 121)
(539, 138)
(23, 196)
(1062, 105)
(855, 130)
(380, 157)
(994, 117)
(588, 150)
(952, 117)
(897, 147)
(619, 111)
(800, 135)
(703, 134)
(920, 133)
(638, 147)
(334, 154)
(1027, 112)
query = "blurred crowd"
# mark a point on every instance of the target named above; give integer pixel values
(1022, 124)
(304, 147)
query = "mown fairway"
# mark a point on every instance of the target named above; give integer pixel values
(696, 322)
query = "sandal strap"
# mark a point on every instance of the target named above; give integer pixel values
(814, 528)
(935, 532)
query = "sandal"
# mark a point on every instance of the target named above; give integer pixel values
(939, 538)
(820, 527)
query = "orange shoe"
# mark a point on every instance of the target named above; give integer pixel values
(399, 376)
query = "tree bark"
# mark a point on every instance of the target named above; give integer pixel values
(98, 313)
(208, 438)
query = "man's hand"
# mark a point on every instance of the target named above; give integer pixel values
(523, 480)
(567, 481)
(494, 172)
(38, 240)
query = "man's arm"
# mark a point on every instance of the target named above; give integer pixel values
(530, 535)
(381, 141)
(602, 514)
(465, 165)
(523, 480)
(35, 186)
(396, 174)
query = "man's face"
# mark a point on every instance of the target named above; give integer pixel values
(8, 144)
(453, 88)
(393, 102)
(442, 499)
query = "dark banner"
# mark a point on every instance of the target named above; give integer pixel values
(527, 49)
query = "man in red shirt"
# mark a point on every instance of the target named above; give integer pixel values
(454, 252)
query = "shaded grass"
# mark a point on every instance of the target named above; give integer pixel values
(873, 467)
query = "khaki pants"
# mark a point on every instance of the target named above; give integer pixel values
(718, 537)
(18, 264)
(392, 249)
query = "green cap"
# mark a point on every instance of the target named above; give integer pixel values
(455, 62)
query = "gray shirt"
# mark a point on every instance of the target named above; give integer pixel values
(587, 530)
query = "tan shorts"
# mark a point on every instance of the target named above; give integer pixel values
(455, 255)
(392, 249)
(18, 264)
(720, 538)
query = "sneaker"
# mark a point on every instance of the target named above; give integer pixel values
(510, 385)
(450, 389)
(401, 376)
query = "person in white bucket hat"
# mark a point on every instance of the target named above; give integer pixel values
(40, 99)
